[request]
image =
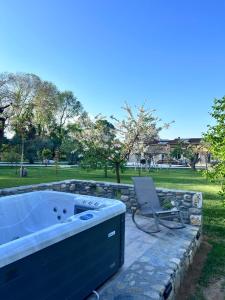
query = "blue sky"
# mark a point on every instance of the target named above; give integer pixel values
(169, 54)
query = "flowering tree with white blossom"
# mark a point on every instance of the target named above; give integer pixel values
(134, 134)
(107, 143)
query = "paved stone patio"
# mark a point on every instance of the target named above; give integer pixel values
(155, 264)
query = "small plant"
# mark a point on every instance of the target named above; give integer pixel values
(46, 153)
(167, 204)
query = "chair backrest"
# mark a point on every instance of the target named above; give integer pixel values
(147, 197)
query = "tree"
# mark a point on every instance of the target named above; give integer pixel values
(96, 137)
(178, 150)
(30, 152)
(2, 123)
(215, 137)
(71, 149)
(5, 103)
(33, 109)
(46, 153)
(20, 90)
(106, 135)
(192, 154)
(153, 150)
(11, 155)
(45, 108)
(112, 143)
(21, 125)
(134, 133)
(68, 109)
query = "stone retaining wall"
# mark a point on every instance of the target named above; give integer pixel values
(190, 203)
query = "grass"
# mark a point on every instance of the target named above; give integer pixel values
(186, 179)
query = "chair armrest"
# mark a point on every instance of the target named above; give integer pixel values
(169, 211)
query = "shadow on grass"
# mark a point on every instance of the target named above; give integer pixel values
(214, 267)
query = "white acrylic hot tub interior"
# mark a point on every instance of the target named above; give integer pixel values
(32, 221)
(24, 214)
(27, 213)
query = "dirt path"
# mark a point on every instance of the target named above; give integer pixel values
(215, 291)
(189, 285)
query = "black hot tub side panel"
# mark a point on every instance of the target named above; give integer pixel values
(70, 269)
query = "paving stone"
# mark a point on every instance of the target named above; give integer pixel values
(151, 270)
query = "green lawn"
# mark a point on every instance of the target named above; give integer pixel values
(214, 212)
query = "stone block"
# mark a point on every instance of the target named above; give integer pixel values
(99, 189)
(191, 255)
(175, 261)
(187, 197)
(124, 192)
(160, 194)
(72, 187)
(195, 211)
(63, 186)
(187, 204)
(177, 282)
(196, 220)
(197, 200)
(179, 194)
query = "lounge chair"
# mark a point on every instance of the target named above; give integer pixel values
(149, 205)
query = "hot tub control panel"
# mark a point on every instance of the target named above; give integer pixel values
(87, 204)
(90, 204)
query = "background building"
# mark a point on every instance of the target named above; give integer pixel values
(176, 151)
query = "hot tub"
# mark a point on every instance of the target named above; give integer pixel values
(56, 245)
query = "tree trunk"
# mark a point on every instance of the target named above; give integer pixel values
(16, 169)
(193, 166)
(105, 170)
(194, 161)
(2, 128)
(2, 123)
(22, 158)
(139, 170)
(117, 167)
